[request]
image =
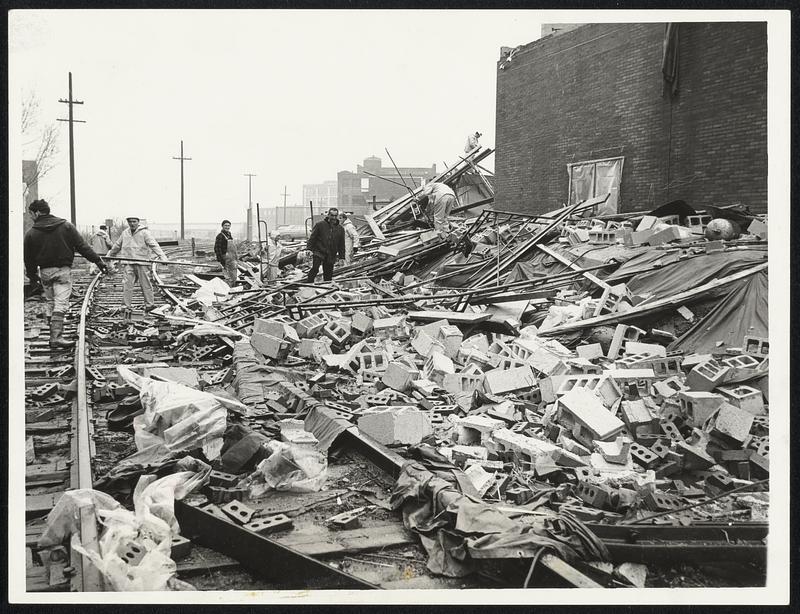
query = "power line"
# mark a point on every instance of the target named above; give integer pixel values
(71, 120)
(181, 158)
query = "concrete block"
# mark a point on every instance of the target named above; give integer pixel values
(664, 367)
(238, 511)
(269, 346)
(476, 342)
(437, 366)
(476, 429)
(643, 456)
(481, 479)
(757, 346)
(385, 328)
(593, 494)
(315, 348)
(397, 425)
(424, 344)
(451, 337)
(617, 451)
(337, 332)
(276, 328)
(732, 423)
(634, 573)
(698, 406)
(361, 323)
(584, 408)
(310, 326)
(646, 223)
(373, 361)
(299, 438)
(636, 416)
(746, 398)
(668, 388)
(670, 233)
(270, 524)
(180, 547)
(398, 376)
(694, 457)
(590, 351)
(499, 381)
(455, 383)
(622, 333)
(706, 376)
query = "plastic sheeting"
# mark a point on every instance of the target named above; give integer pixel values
(686, 274)
(744, 311)
(455, 529)
(178, 417)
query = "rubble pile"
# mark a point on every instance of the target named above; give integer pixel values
(540, 377)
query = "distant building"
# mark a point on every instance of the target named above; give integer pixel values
(373, 182)
(165, 230)
(647, 112)
(323, 195)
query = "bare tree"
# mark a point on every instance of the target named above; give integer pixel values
(44, 139)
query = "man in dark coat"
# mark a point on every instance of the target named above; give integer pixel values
(49, 249)
(326, 243)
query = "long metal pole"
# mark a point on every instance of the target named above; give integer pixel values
(71, 160)
(260, 261)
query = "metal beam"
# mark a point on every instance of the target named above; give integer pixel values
(263, 556)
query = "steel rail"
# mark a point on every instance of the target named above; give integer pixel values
(87, 577)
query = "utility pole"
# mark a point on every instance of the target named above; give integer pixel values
(284, 203)
(250, 206)
(71, 102)
(181, 159)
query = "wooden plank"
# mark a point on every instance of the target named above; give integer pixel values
(47, 471)
(343, 542)
(38, 505)
(373, 226)
(202, 560)
(554, 254)
(43, 427)
(30, 453)
(37, 580)
(568, 572)
(454, 317)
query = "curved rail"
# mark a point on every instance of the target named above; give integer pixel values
(87, 577)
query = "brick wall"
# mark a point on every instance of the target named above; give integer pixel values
(596, 92)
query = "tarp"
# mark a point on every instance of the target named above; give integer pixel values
(744, 311)
(686, 274)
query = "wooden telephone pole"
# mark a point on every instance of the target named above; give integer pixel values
(71, 102)
(181, 159)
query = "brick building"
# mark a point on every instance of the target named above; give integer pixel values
(357, 191)
(589, 109)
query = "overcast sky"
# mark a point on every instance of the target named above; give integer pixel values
(292, 96)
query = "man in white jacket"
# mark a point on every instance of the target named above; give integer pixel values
(351, 240)
(136, 242)
(436, 200)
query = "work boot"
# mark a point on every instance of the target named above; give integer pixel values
(57, 342)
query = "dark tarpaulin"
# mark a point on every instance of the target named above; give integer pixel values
(686, 274)
(744, 311)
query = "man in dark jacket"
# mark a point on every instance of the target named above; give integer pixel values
(326, 243)
(227, 255)
(49, 249)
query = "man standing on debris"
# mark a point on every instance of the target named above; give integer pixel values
(326, 243)
(49, 248)
(436, 200)
(227, 256)
(472, 142)
(136, 243)
(351, 240)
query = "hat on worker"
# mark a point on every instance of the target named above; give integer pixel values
(132, 217)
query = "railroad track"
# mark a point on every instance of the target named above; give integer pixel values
(73, 447)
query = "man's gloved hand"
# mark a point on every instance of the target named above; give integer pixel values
(103, 267)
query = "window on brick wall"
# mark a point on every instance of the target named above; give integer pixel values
(365, 184)
(596, 178)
